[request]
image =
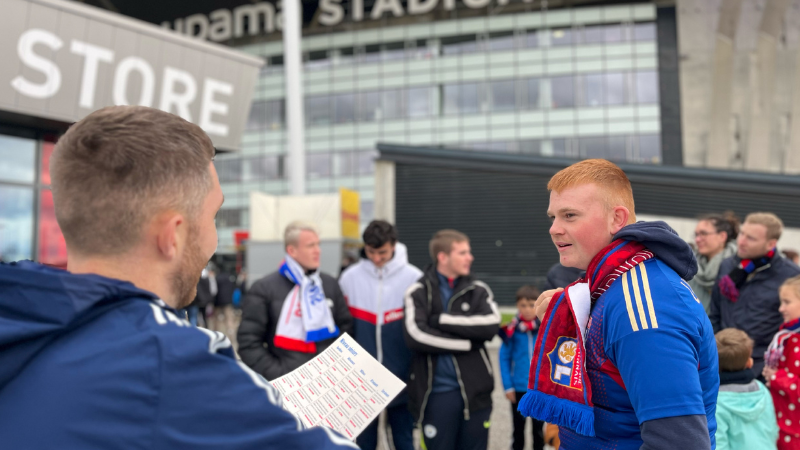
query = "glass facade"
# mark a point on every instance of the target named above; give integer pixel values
(574, 83)
(28, 229)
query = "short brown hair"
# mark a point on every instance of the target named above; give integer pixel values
(443, 240)
(120, 166)
(528, 292)
(606, 175)
(771, 222)
(735, 348)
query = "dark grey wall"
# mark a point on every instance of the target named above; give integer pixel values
(669, 84)
(501, 200)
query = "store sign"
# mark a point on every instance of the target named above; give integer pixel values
(64, 60)
(264, 17)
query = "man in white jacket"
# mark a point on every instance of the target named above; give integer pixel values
(374, 289)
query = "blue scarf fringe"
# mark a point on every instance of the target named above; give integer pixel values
(564, 413)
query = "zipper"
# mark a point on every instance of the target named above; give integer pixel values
(453, 298)
(428, 392)
(486, 361)
(463, 390)
(379, 318)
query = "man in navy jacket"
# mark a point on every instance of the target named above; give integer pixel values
(96, 357)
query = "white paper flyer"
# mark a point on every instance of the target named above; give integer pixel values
(343, 388)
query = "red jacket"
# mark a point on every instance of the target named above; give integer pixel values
(785, 388)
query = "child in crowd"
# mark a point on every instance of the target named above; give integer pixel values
(782, 366)
(515, 360)
(745, 414)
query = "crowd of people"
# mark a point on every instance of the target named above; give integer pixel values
(639, 340)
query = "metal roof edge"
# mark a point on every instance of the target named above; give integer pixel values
(520, 163)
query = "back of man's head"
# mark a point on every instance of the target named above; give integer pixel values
(734, 348)
(378, 233)
(770, 221)
(119, 167)
(609, 178)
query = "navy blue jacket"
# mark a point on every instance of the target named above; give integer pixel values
(88, 362)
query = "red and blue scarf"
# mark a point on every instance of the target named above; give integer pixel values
(730, 284)
(559, 391)
(775, 350)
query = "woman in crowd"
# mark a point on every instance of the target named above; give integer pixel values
(715, 240)
(782, 366)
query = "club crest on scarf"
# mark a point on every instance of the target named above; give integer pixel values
(563, 363)
(305, 316)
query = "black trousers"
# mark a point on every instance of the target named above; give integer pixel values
(518, 441)
(444, 427)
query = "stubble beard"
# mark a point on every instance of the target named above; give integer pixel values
(185, 278)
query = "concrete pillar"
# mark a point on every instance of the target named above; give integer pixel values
(792, 158)
(295, 117)
(759, 147)
(721, 142)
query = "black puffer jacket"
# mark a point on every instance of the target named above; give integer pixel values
(756, 310)
(261, 309)
(430, 332)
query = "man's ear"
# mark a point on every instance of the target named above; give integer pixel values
(619, 218)
(170, 228)
(771, 243)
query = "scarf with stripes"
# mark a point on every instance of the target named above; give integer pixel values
(730, 284)
(559, 391)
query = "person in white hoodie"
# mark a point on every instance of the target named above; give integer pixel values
(374, 289)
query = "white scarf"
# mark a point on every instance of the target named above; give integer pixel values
(305, 316)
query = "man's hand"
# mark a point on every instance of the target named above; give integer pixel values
(544, 300)
(511, 396)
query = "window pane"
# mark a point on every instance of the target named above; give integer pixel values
(343, 164)
(615, 88)
(501, 41)
(644, 32)
(318, 110)
(366, 162)
(650, 148)
(531, 39)
(16, 223)
(17, 159)
(612, 33)
(228, 170)
(533, 146)
(459, 45)
(533, 93)
(276, 114)
(52, 248)
(593, 34)
(393, 104)
(369, 106)
(370, 53)
(451, 96)
(503, 95)
(561, 36)
(48, 145)
(419, 102)
(258, 115)
(261, 168)
(344, 108)
(563, 91)
(594, 147)
(229, 218)
(317, 60)
(593, 91)
(394, 51)
(318, 165)
(647, 87)
(618, 148)
(468, 98)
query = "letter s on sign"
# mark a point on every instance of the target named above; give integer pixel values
(51, 72)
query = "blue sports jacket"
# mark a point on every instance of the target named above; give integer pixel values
(515, 358)
(88, 362)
